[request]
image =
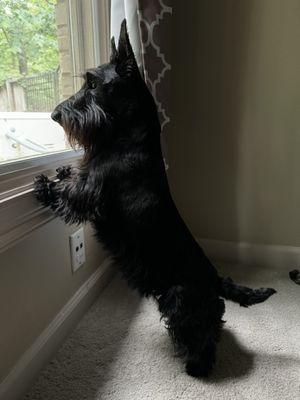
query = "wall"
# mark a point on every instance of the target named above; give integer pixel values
(234, 150)
(35, 283)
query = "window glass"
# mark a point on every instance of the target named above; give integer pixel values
(36, 73)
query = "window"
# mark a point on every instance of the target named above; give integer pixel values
(45, 45)
(34, 57)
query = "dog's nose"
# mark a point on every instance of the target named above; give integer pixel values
(56, 115)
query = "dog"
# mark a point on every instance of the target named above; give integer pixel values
(121, 188)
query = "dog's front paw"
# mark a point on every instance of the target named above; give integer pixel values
(42, 189)
(63, 172)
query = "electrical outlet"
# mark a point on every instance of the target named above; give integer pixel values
(77, 249)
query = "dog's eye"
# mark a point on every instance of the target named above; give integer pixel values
(91, 81)
(92, 84)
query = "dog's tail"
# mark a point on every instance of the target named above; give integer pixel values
(243, 295)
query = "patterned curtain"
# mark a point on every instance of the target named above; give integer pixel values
(155, 27)
(149, 28)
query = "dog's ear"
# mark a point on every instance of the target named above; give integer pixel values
(124, 48)
(126, 62)
(114, 52)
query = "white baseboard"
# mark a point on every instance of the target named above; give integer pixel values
(32, 361)
(269, 256)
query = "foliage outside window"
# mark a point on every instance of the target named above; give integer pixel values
(28, 38)
(34, 42)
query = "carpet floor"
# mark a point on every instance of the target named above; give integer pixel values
(121, 351)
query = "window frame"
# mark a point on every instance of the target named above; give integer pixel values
(16, 177)
(20, 213)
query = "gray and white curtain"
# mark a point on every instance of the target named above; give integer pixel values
(149, 28)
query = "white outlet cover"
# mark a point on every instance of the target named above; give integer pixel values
(77, 249)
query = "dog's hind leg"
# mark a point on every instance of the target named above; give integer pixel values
(194, 323)
(201, 347)
(200, 361)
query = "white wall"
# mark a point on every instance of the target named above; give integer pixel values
(234, 149)
(35, 283)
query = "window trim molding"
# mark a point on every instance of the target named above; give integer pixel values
(89, 28)
(25, 163)
(101, 30)
(25, 215)
(76, 40)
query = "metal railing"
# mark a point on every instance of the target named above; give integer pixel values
(37, 93)
(41, 91)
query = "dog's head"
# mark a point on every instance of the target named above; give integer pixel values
(113, 96)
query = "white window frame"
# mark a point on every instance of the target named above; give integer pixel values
(20, 213)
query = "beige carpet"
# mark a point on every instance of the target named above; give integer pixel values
(121, 351)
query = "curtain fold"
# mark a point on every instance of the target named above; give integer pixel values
(155, 31)
(149, 29)
(121, 9)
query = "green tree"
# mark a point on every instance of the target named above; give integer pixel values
(28, 41)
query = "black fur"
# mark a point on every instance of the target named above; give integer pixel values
(122, 189)
(295, 276)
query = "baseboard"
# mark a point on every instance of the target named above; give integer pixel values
(268, 256)
(42, 350)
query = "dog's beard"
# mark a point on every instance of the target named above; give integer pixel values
(82, 127)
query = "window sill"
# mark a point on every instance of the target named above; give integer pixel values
(16, 177)
(20, 213)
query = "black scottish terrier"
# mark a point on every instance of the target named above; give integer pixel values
(122, 189)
